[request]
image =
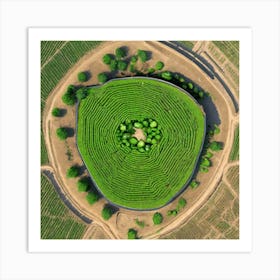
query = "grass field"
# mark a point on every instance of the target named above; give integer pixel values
(57, 57)
(57, 221)
(230, 49)
(129, 178)
(234, 154)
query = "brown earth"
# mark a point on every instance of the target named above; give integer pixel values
(63, 154)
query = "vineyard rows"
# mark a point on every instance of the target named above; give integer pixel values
(57, 222)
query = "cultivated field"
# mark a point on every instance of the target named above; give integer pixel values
(125, 177)
(57, 57)
(219, 217)
(57, 222)
(234, 154)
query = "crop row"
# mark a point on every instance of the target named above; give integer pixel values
(56, 220)
(234, 154)
(49, 48)
(123, 175)
(230, 49)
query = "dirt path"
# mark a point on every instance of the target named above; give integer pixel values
(56, 149)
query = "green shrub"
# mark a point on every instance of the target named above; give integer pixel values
(141, 224)
(142, 55)
(194, 184)
(133, 59)
(190, 85)
(107, 213)
(73, 172)
(132, 68)
(69, 98)
(81, 93)
(82, 77)
(159, 65)
(132, 234)
(182, 203)
(157, 218)
(107, 58)
(122, 65)
(56, 112)
(113, 65)
(120, 53)
(205, 162)
(216, 146)
(102, 78)
(151, 70)
(83, 184)
(92, 197)
(62, 133)
(166, 75)
(216, 129)
(203, 169)
(172, 212)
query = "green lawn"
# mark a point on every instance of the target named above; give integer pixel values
(57, 221)
(125, 176)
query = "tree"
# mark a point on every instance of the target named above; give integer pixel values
(81, 93)
(157, 218)
(132, 234)
(120, 53)
(73, 172)
(56, 112)
(107, 212)
(92, 197)
(122, 65)
(107, 58)
(159, 65)
(102, 77)
(62, 133)
(142, 55)
(182, 203)
(82, 77)
(113, 65)
(69, 98)
(133, 59)
(83, 184)
(216, 146)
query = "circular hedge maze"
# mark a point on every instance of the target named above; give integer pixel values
(129, 175)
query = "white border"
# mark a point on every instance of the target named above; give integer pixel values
(244, 244)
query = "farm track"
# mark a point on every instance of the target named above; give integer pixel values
(112, 230)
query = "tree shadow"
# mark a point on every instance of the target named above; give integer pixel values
(62, 112)
(114, 209)
(70, 132)
(88, 75)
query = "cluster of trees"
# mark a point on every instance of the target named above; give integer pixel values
(214, 146)
(150, 129)
(181, 204)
